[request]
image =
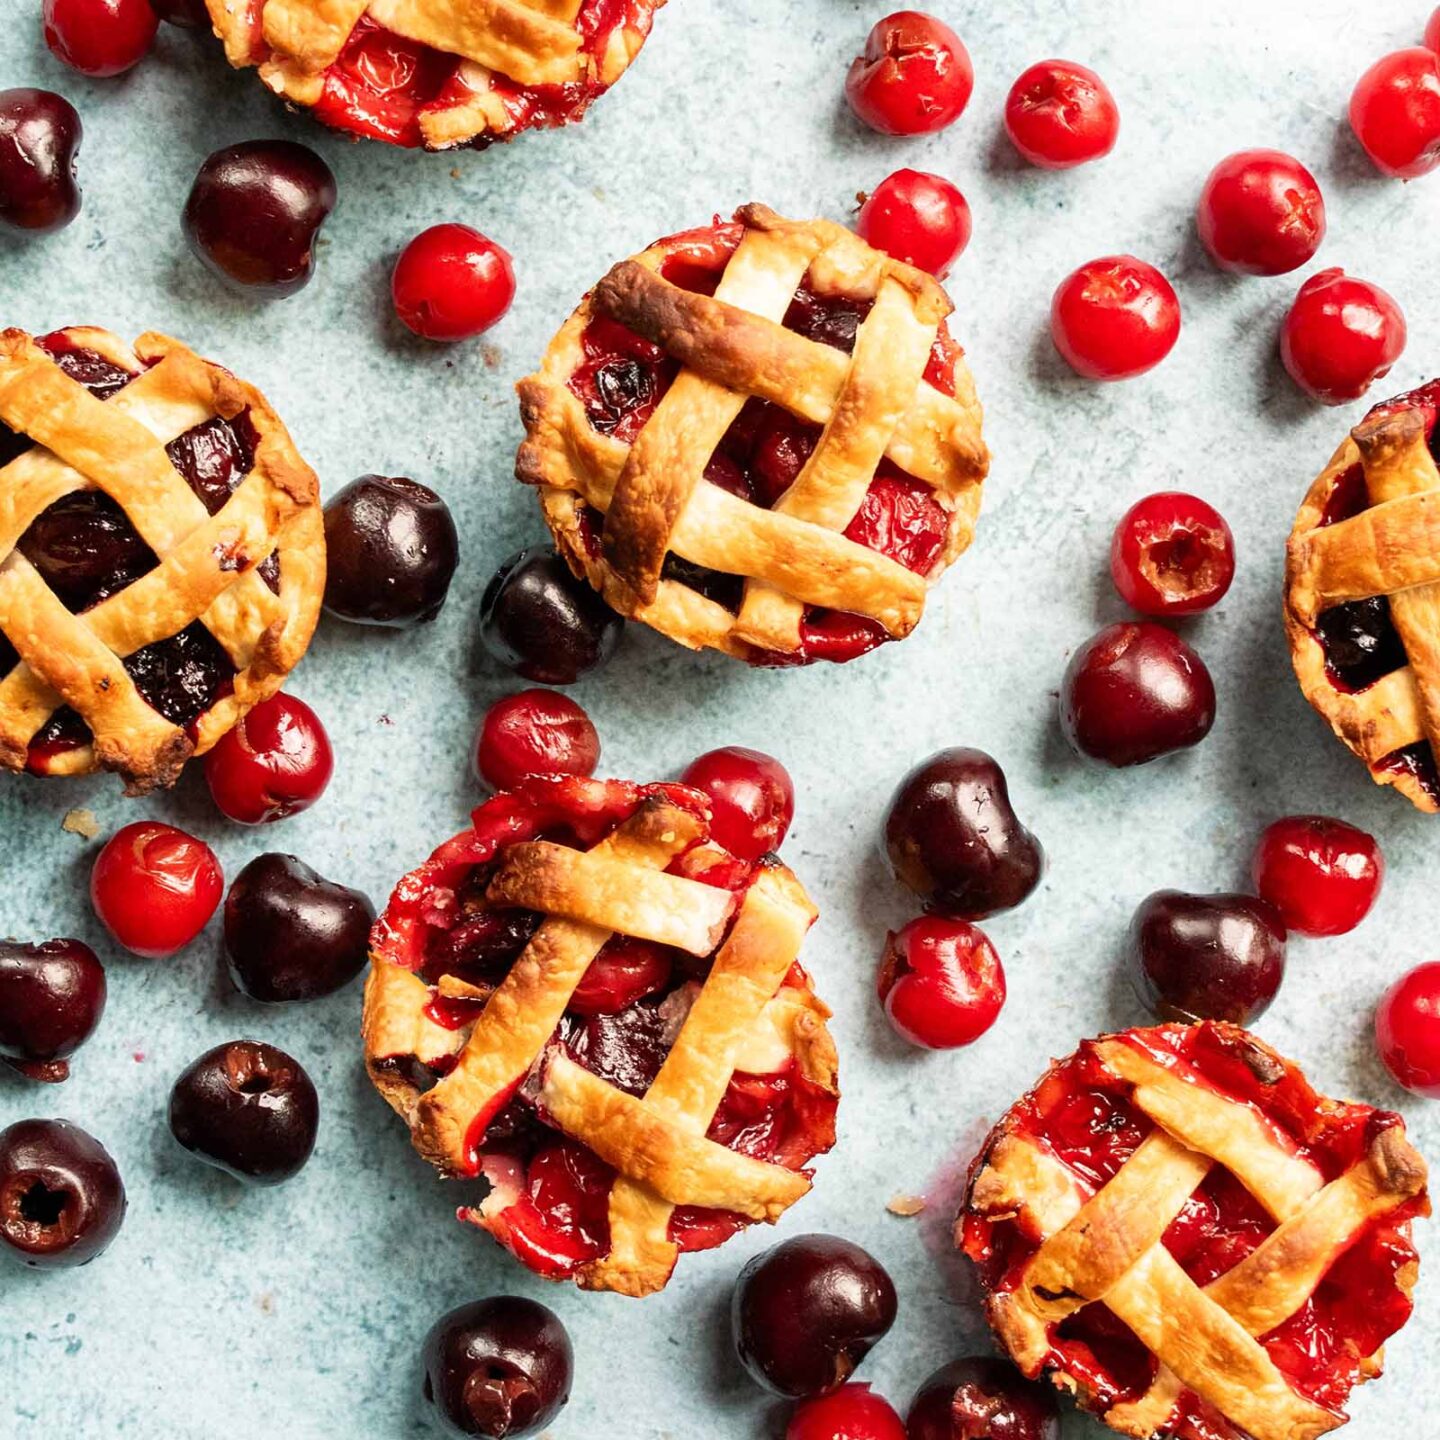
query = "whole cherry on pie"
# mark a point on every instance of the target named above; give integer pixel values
(1114, 318)
(853, 1412)
(247, 1109)
(752, 798)
(919, 218)
(40, 134)
(913, 78)
(807, 1312)
(497, 1368)
(155, 888)
(452, 283)
(275, 763)
(1060, 114)
(1261, 213)
(52, 996)
(1322, 875)
(982, 1398)
(941, 982)
(535, 732)
(255, 211)
(1340, 336)
(61, 1197)
(99, 37)
(1407, 1030)
(1395, 112)
(1172, 554)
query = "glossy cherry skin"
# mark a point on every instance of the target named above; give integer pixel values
(535, 732)
(1206, 957)
(849, 1413)
(752, 798)
(914, 77)
(952, 836)
(1114, 318)
(52, 996)
(99, 37)
(1060, 114)
(40, 135)
(254, 213)
(980, 1398)
(543, 623)
(497, 1368)
(941, 982)
(1341, 336)
(247, 1109)
(392, 551)
(1261, 213)
(1322, 875)
(1134, 692)
(1407, 1030)
(290, 934)
(1172, 554)
(275, 763)
(919, 218)
(807, 1312)
(452, 283)
(1432, 30)
(155, 888)
(1395, 113)
(61, 1197)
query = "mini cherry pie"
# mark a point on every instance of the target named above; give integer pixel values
(588, 1001)
(1362, 597)
(1181, 1232)
(759, 437)
(437, 73)
(162, 554)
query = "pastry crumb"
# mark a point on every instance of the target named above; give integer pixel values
(265, 1303)
(905, 1205)
(82, 823)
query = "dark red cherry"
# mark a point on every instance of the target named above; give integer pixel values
(981, 1398)
(542, 622)
(290, 934)
(498, 1368)
(752, 798)
(806, 1313)
(392, 549)
(248, 1109)
(39, 138)
(254, 212)
(1206, 957)
(953, 838)
(51, 998)
(1134, 692)
(61, 1197)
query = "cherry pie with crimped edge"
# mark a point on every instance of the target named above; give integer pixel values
(589, 1002)
(437, 73)
(162, 554)
(759, 437)
(1362, 601)
(1178, 1229)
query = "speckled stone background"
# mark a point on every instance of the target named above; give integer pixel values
(299, 1312)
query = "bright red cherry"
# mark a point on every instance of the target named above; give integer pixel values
(452, 283)
(276, 762)
(850, 1413)
(155, 887)
(1322, 875)
(941, 982)
(1395, 112)
(752, 798)
(1340, 336)
(1432, 31)
(1261, 213)
(1060, 114)
(914, 77)
(1115, 318)
(1172, 554)
(99, 37)
(535, 732)
(919, 218)
(1407, 1030)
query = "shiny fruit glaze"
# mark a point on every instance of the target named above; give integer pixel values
(1083, 1114)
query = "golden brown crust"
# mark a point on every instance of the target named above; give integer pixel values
(208, 564)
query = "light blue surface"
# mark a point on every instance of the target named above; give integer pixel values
(299, 1312)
